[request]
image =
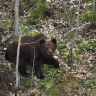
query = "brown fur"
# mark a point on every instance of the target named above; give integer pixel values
(28, 39)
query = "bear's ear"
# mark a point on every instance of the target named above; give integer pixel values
(42, 41)
(54, 41)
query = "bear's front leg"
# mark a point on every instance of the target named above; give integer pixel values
(38, 70)
(55, 63)
(22, 67)
(51, 61)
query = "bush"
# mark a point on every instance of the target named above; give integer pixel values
(91, 16)
(36, 9)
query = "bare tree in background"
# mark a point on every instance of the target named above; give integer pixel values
(94, 4)
(75, 36)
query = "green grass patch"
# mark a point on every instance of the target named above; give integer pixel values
(50, 82)
(70, 35)
(69, 85)
(5, 24)
(28, 31)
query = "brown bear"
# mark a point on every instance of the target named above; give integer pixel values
(34, 51)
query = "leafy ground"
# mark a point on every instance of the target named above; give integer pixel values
(61, 24)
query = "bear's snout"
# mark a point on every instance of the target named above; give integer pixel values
(51, 53)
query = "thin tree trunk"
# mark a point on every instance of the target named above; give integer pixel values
(75, 36)
(16, 30)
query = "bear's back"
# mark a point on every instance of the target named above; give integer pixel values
(29, 39)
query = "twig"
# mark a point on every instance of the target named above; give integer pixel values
(66, 13)
(31, 9)
(17, 59)
(33, 66)
(73, 42)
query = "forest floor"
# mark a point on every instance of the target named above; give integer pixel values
(81, 80)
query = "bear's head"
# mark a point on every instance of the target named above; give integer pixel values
(47, 48)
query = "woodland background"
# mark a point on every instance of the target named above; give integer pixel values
(73, 24)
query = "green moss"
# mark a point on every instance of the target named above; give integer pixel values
(76, 55)
(70, 35)
(28, 31)
(71, 15)
(38, 9)
(0, 66)
(94, 43)
(81, 47)
(50, 86)
(91, 16)
(28, 82)
(50, 82)
(5, 24)
(91, 83)
(94, 94)
(69, 84)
